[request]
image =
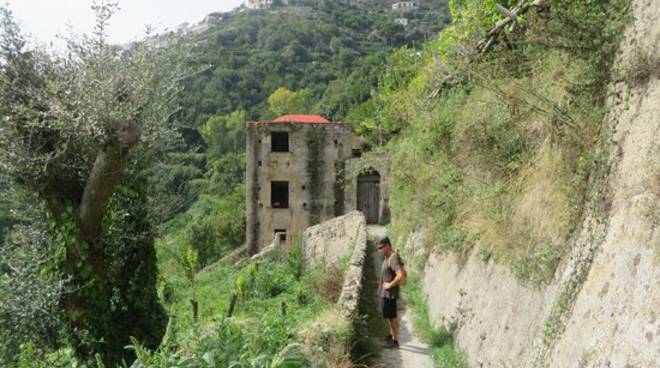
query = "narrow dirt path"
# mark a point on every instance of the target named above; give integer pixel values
(412, 352)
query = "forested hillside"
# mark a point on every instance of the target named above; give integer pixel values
(255, 65)
(259, 64)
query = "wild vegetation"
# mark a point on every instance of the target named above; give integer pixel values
(77, 134)
(501, 150)
(112, 193)
(440, 339)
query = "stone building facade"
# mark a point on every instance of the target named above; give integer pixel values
(294, 176)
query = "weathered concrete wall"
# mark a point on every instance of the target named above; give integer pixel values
(615, 320)
(334, 239)
(312, 167)
(328, 339)
(603, 307)
(496, 318)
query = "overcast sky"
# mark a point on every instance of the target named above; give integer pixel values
(44, 19)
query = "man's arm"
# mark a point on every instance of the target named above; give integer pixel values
(397, 279)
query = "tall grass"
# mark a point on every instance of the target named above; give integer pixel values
(506, 158)
(274, 301)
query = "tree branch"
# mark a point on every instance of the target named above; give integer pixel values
(108, 168)
(511, 18)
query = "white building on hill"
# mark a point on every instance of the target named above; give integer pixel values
(259, 4)
(405, 6)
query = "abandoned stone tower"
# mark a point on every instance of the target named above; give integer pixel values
(294, 169)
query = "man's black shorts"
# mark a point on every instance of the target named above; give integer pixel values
(389, 308)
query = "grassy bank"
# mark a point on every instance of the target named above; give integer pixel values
(283, 313)
(504, 149)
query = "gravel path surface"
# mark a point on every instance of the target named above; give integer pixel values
(412, 353)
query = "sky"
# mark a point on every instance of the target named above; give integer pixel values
(45, 19)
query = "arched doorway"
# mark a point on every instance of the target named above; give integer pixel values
(368, 195)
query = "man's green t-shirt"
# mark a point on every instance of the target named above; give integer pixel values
(388, 272)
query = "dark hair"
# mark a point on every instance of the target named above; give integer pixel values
(385, 241)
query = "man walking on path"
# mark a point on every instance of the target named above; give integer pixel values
(392, 275)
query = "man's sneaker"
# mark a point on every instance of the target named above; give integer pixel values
(392, 344)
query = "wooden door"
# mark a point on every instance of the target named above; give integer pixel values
(368, 197)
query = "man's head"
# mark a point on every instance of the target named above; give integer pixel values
(385, 246)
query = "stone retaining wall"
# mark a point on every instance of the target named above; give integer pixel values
(331, 241)
(350, 292)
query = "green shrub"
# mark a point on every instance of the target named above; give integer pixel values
(274, 299)
(642, 66)
(538, 268)
(446, 357)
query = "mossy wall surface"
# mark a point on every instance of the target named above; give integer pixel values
(316, 153)
(315, 140)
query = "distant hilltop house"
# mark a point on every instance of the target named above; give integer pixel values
(259, 4)
(404, 6)
(296, 177)
(207, 23)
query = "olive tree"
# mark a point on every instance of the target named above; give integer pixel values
(78, 129)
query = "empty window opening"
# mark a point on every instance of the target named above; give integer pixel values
(279, 141)
(281, 233)
(336, 142)
(259, 163)
(279, 194)
(303, 187)
(305, 205)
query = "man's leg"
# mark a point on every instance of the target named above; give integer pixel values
(389, 313)
(394, 328)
